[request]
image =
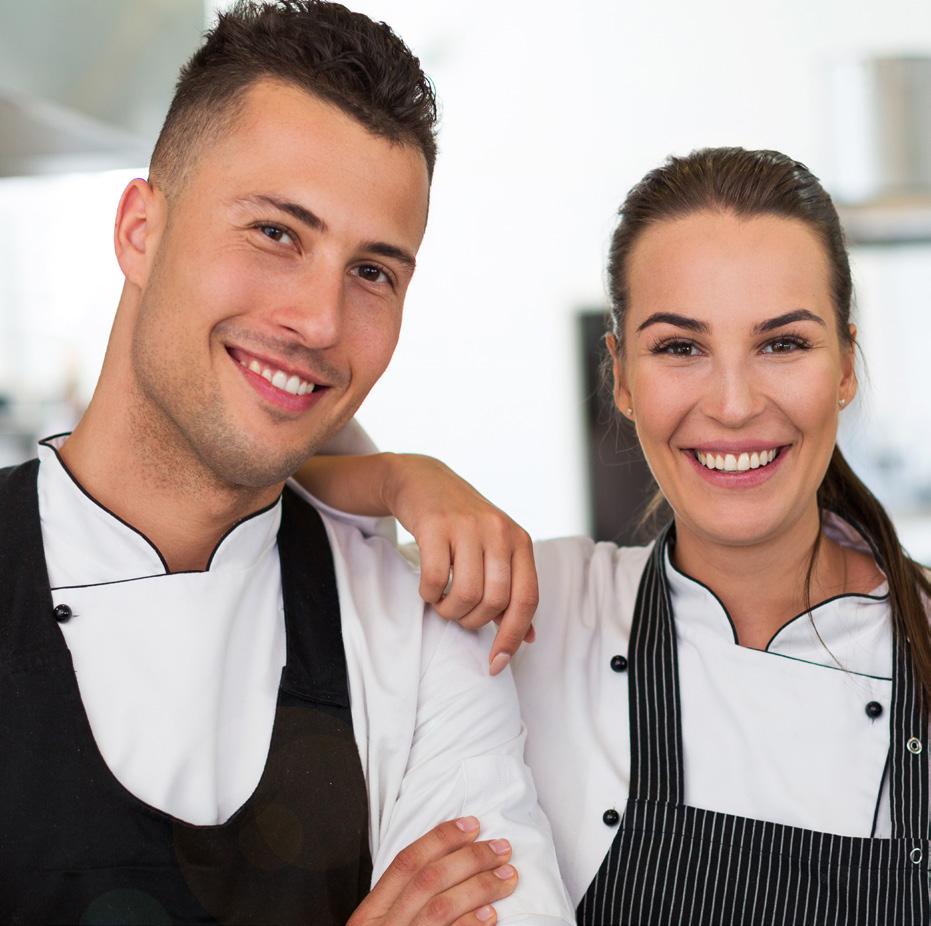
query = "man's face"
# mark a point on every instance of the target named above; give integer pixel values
(273, 301)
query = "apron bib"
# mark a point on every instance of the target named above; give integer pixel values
(76, 847)
(674, 864)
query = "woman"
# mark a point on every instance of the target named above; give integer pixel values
(730, 724)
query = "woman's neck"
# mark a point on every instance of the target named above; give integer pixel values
(763, 585)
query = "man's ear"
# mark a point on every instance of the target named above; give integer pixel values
(622, 397)
(140, 218)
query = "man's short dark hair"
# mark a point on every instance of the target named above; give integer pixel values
(341, 57)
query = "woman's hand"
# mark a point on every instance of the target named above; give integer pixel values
(476, 563)
(443, 879)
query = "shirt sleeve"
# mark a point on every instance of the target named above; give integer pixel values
(467, 758)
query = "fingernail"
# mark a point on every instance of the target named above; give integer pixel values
(499, 663)
(500, 846)
(505, 872)
(467, 824)
(485, 914)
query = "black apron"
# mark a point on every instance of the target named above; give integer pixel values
(77, 847)
(670, 863)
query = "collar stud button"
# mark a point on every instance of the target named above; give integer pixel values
(62, 613)
(618, 663)
(874, 709)
(611, 817)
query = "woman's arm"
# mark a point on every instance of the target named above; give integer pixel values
(476, 564)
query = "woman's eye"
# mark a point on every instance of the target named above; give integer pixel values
(372, 273)
(276, 233)
(677, 348)
(785, 345)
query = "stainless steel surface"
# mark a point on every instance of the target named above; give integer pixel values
(880, 126)
(85, 85)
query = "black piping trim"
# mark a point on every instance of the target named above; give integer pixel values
(805, 613)
(882, 782)
(74, 479)
(820, 604)
(65, 588)
(710, 591)
(236, 524)
(45, 443)
(824, 665)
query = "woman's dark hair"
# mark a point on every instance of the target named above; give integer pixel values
(750, 183)
(344, 58)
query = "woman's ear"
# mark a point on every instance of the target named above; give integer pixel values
(622, 396)
(140, 218)
(848, 382)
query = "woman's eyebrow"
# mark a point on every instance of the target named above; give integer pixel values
(799, 315)
(671, 318)
(693, 324)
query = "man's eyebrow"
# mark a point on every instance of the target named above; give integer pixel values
(301, 213)
(799, 315)
(391, 251)
(310, 219)
(672, 318)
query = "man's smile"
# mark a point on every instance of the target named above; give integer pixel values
(285, 387)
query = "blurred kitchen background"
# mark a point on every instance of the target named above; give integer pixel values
(550, 113)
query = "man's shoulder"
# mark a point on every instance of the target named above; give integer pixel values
(378, 587)
(19, 471)
(17, 484)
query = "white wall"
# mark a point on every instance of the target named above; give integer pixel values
(548, 118)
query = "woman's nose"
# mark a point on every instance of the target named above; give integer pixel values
(732, 397)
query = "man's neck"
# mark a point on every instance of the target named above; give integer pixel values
(144, 472)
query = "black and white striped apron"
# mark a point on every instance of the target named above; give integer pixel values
(671, 863)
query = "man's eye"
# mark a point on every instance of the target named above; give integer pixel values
(372, 273)
(276, 233)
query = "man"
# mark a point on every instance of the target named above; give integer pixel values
(215, 704)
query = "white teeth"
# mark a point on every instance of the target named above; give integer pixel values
(292, 384)
(736, 463)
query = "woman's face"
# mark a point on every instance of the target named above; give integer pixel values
(734, 370)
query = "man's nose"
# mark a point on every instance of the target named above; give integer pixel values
(314, 306)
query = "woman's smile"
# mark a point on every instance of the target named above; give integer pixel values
(733, 368)
(738, 468)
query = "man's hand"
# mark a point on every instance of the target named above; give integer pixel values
(445, 878)
(476, 564)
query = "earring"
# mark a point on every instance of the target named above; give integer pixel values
(630, 413)
(842, 402)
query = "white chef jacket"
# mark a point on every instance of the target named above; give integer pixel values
(179, 676)
(780, 735)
